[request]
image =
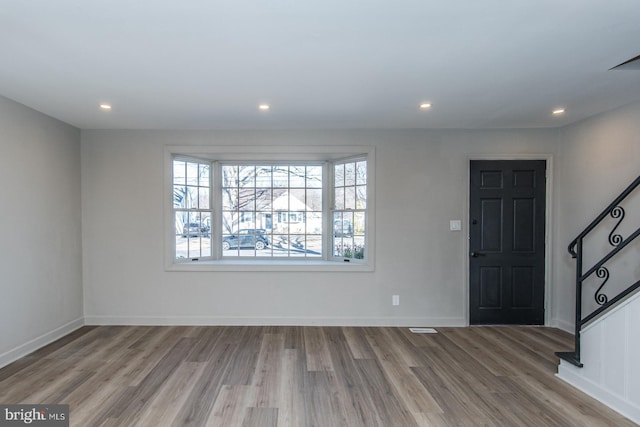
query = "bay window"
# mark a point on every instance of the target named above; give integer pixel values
(313, 208)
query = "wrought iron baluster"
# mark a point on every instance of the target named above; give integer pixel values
(602, 273)
(616, 213)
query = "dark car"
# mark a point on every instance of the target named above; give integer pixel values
(193, 229)
(246, 238)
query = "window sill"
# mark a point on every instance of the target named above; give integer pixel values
(266, 266)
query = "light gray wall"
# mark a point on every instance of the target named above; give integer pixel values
(596, 160)
(421, 181)
(40, 254)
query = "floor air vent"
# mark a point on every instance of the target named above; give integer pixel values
(423, 330)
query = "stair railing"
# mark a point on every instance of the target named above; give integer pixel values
(618, 242)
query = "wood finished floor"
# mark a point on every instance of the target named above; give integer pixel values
(305, 376)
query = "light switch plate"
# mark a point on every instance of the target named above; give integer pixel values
(455, 225)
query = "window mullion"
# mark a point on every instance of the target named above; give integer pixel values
(328, 207)
(216, 209)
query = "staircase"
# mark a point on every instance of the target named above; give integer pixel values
(605, 362)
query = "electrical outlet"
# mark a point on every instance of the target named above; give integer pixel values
(395, 300)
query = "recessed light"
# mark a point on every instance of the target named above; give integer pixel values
(425, 105)
(263, 107)
(105, 106)
(558, 111)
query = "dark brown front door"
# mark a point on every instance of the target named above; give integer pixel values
(506, 242)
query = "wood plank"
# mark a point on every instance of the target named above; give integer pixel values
(390, 409)
(419, 340)
(482, 351)
(261, 417)
(402, 348)
(358, 345)
(163, 408)
(198, 406)
(17, 388)
(516, 355)
(242, 367)
(293, 337)
(83, 413)
(266, 376)
(358, 405)
(156, 347)
(305, 376)
(59, 388)
(449, 356)
(231, 405)
(461, 406)
(407, 387)
(126, 409)
(290, 405)
(318, 357)
(323, 406)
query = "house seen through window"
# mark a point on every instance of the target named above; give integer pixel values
(298, 210)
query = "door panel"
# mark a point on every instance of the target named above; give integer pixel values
(491, 220)
(522, 287)
(506, 268)
(524, 221)
(491, 287)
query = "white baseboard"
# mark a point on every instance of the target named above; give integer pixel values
(39, 342)
(562, 324)
(270, 321)
(619, 404)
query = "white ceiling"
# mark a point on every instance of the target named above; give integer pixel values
(207, 64)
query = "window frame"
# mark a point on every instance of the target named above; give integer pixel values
(333, 209)
(276, 154)
(191, 210)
